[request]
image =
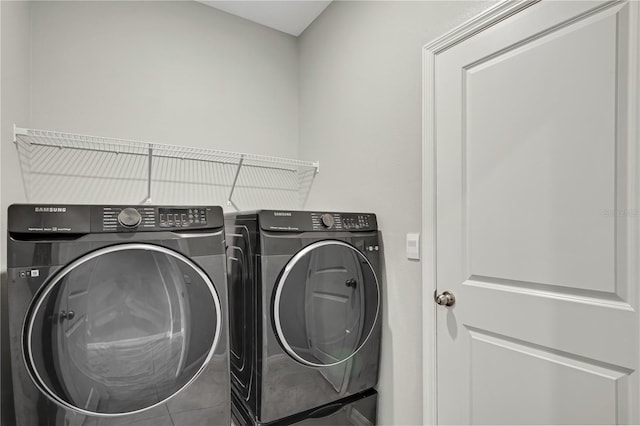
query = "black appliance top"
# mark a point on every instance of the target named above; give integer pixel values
(309, 221)
(84, 218)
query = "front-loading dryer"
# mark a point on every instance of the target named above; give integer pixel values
(305, 316)
(118, 315)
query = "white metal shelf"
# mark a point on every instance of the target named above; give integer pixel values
(28, 139)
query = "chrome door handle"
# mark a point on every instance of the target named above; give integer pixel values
(446, 298)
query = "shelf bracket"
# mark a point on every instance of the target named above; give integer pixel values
(233, 185)
(308, 190)
(19, 131)
(147, 200)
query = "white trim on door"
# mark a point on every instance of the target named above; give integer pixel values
(430, 51)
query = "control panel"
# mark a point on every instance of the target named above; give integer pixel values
(323, 221)
(151, 218)
(114, 218)
(182, 217)
(343, 221)
(304, 221)
(82, 219)
(357, 221)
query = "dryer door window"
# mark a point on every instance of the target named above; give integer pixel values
(326, 303)
(121, 329)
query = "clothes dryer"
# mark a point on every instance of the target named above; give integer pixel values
(305, 311)
(118, 314)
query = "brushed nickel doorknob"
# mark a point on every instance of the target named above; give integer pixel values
(446, 298)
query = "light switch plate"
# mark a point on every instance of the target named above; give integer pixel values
(413, 246)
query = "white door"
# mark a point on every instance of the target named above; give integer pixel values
(537, 195)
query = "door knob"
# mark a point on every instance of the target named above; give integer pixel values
(446, 298)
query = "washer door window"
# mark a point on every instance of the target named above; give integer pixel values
(121, 329)
(326, 303)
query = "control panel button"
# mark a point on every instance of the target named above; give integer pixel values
(129, 218)
(182, 217)
(327, 220)
(357, 222)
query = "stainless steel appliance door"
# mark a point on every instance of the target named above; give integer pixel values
(326, 303)
(121, 329)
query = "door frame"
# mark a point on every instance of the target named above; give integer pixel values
(430, 51)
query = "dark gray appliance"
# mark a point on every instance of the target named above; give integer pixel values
(118, 314)
(358, 409)
(305, 313)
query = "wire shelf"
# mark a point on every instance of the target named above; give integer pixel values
(41, 156)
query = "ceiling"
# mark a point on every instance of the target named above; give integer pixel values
(291, 17)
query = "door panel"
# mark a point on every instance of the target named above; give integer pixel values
(70, 312)
(127, 329)
(527, 209)
(550, 376)
(536, 234)
(332, 307)
(334, 311)
(325, 305)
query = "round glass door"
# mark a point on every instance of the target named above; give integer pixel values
(326, 303)
(121, 329)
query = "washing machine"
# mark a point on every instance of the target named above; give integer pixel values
(118, 315)
(305, 316)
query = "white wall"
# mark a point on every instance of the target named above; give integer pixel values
(15, 83)
(360, 116)
(173, 72)
(15, 76)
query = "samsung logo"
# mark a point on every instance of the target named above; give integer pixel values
(51, 209)
(282, 213)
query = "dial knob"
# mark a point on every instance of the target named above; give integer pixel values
(129, 217)
(327, 220)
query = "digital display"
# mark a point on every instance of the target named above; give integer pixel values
(182, 218)
(356, 221)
